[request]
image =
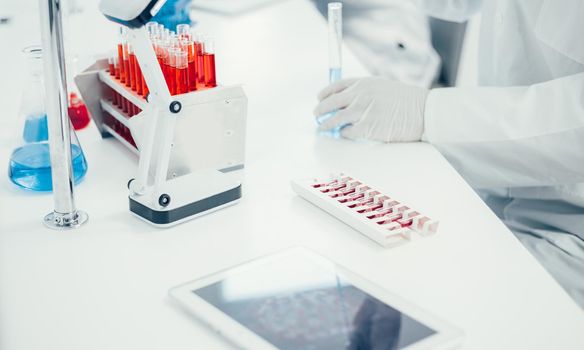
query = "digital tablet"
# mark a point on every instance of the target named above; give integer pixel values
(296, 299)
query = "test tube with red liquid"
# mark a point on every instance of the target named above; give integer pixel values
(183, 31)
(137, 73)
(171, 68)
(200, 65)
(126, 60)
(152, 29)
(181, 71)
(121, 45)
(116, 66)
(132, 63)
(192, 63)
(160, 49)
(209, 63)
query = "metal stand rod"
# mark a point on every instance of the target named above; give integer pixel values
(65, 215)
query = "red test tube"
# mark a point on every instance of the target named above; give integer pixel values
(128, 73)
(121, 45)
(116, 67)
(209, 63)
(183, 31)
(137, 74)
(200, 65)
(181, 65)
(172, 70)
(132, 62)
(160, 49)
(192, 63)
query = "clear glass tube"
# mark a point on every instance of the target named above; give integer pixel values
(209, 46)
(209, 62)
(335, 38)
(152, 28)
(183, 31)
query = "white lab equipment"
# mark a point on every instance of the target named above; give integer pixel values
(374, 108)
(183, 140)
(380, 217)
(131, 13)
(519, 138)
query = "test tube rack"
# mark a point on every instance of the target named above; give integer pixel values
(182, 169)
(380, 217)
(209, 134)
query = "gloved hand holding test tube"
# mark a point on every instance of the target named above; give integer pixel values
(335, 37)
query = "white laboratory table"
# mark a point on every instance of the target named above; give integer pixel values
(105, 286)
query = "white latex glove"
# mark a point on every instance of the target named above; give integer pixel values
(374, 108)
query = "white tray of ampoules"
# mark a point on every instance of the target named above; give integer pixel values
(380, 217)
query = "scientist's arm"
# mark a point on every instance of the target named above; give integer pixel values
(450, 10)
(518, 136)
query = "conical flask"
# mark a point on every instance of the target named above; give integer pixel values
(30, 162)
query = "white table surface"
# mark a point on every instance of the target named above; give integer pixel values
(105, 286)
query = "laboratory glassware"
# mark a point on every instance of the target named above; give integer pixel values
(335, 32)
(209, 63)
(380, 217)
(335, 43)
(77, 111)
(30, 163)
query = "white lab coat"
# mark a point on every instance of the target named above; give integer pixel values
(519, 137)
(396, 31)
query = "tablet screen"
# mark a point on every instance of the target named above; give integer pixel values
(299, 304)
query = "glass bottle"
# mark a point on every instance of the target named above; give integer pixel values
(30, 163)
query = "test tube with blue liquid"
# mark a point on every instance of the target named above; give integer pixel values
(335, 38)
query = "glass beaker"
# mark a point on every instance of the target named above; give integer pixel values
(30, 162)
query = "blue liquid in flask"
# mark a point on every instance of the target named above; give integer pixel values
(30, 166)
(335, 74)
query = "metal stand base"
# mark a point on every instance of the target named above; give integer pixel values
(61, 222)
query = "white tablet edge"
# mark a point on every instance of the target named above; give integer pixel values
(446, 336)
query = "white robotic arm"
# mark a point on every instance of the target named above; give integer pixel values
(131, 13)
